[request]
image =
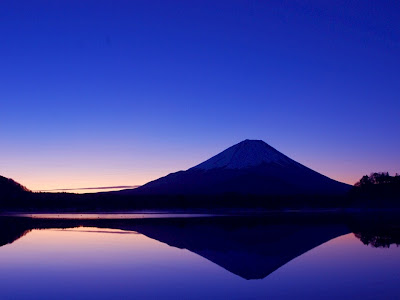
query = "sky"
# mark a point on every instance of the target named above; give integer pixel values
(118, 93)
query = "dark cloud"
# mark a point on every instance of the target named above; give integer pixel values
(95, 188)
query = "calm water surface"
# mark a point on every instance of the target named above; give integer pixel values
(197, 258)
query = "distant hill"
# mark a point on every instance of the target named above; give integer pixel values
(251, 167)
(10, 189)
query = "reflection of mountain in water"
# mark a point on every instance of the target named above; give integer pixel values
(11, 231)
(248, 247)
(252, 250)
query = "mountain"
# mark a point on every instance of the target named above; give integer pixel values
(251, 167)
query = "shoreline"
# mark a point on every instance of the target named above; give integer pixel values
(193, 213)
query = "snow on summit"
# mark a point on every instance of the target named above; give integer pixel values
(248, 153)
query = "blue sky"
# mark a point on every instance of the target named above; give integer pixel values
(102, 93)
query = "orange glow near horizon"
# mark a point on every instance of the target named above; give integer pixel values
(79, 182)
(82, 172)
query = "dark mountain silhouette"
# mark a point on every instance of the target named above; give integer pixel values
(250, 247)
(251, 167)
(9, 189)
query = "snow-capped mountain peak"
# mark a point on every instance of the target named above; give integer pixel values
(251, 167)
(248, 153)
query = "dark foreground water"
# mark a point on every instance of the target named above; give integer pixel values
(275, 257)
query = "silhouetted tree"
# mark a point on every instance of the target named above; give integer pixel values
(364, 181)
(381, 178)
(378, 189)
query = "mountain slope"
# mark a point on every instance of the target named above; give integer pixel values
(10, 188)
(250, 167)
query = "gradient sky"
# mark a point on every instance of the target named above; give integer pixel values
(103, 93)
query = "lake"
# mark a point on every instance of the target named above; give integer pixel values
(203, 257)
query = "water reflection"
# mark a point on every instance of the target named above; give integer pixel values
(377, 230)
(304, 257)
(250, 247)
(12, 229)
(378, 239)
